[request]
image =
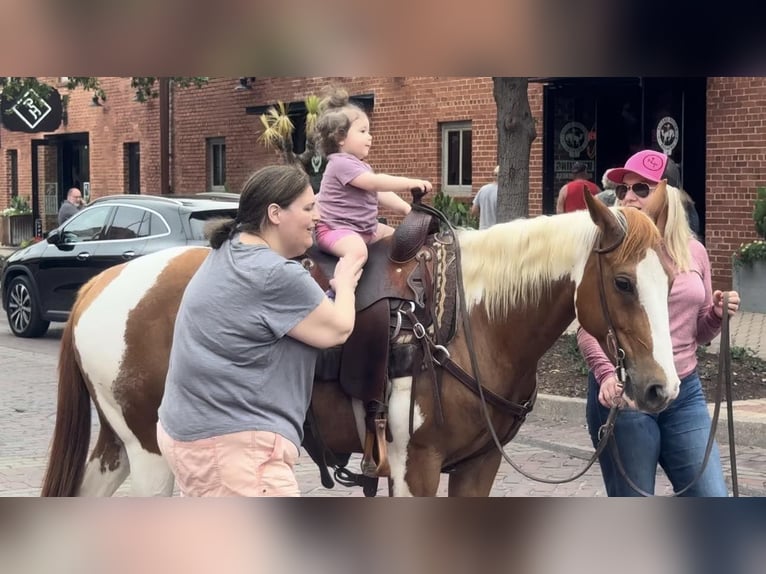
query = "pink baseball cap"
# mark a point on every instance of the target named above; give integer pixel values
(647, 163)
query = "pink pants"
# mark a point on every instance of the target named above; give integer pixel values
(250, 463)
(327, 237)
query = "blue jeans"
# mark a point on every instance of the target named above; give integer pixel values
(675, 438)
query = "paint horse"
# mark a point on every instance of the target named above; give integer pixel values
(523, 282)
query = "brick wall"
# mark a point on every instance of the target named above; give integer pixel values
(120, 119)
(406, 139)
(405, 124)
(735, 166)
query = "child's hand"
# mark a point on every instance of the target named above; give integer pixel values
(421, 184)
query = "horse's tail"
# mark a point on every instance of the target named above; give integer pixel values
(71, 434)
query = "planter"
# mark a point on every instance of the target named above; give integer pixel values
(15, 228)
(750, 282)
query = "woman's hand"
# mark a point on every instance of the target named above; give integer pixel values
(718, 303)
(347, 273)
(610, 395)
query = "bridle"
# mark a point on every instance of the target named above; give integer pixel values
(606, 431)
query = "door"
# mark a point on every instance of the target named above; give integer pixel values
(45, 187)
(69, 264)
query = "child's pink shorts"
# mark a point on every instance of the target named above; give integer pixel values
(327, 237)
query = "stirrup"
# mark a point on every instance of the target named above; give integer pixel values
(369, 467)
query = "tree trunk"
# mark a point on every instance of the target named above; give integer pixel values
(515, 134)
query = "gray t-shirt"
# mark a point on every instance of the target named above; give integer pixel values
(232, 368)
(486, 199)
(67, 210)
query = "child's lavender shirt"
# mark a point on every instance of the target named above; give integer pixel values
(342, 205)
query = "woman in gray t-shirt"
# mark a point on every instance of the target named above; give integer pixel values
(245, 343)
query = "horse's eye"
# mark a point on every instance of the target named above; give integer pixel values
(623, 284)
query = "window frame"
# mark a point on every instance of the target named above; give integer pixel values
(460, 190)
(212, 144)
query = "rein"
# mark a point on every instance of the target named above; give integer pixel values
(724, 377)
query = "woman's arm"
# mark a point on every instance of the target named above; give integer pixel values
(331, 323)
(594, 356)
(708, 323)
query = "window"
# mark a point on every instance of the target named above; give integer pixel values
(456, 158)
(216, 160)
(86, 225)
(199, 220)
(132, 166)
(12, 166)
(134, 223)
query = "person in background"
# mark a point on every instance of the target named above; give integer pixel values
(71, 205)
(485, 203)
(245, 345)
(677, 437)
(571, 196)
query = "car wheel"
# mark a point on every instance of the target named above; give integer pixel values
(23, 312)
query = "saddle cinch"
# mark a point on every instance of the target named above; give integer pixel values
(405, 281)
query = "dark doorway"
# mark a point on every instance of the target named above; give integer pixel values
(133, 167)
(617, 117)
(59, 162)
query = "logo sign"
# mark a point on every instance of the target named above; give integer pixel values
(574, 138)
(667, 134)
(32, 113)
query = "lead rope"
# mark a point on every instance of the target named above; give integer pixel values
(724, 373)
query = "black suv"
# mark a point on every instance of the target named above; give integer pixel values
(40, 282)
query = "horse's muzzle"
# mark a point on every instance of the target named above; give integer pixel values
(651, 396)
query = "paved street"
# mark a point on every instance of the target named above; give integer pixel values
(553, 449)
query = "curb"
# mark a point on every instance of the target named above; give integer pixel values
(749, 426)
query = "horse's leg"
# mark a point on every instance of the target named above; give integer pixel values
(415, 470)
(476, 476)
(150, 474)
(108, 465)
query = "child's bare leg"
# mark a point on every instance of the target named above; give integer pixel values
(351, 246)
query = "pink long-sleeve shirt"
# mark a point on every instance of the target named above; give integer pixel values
(692, 319)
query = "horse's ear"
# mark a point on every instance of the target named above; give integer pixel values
(603, 217)
(656, 206)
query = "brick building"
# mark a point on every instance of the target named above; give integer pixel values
(438, 128)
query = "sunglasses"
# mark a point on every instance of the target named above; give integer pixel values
(641, 189)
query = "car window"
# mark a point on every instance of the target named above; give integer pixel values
(200, 218)
(88, 225)
(133, 223)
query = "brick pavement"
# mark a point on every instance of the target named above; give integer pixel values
(551, 448)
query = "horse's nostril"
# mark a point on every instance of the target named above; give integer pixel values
(656, 396)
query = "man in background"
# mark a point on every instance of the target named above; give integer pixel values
(485, 203)
(72, 205)
(571, 196)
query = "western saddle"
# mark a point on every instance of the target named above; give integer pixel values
(406, 294)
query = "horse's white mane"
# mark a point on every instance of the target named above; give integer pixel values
(513, 262)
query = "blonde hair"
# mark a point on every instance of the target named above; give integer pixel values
(336, 114)
(677, 231)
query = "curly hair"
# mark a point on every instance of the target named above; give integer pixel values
(336, 114)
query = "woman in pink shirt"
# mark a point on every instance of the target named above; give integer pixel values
(351, 192)
(675, 438)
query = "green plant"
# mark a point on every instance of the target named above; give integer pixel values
(749, 253)
(19, 206)
(457, 212)
(740, 353)
(759, 212)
